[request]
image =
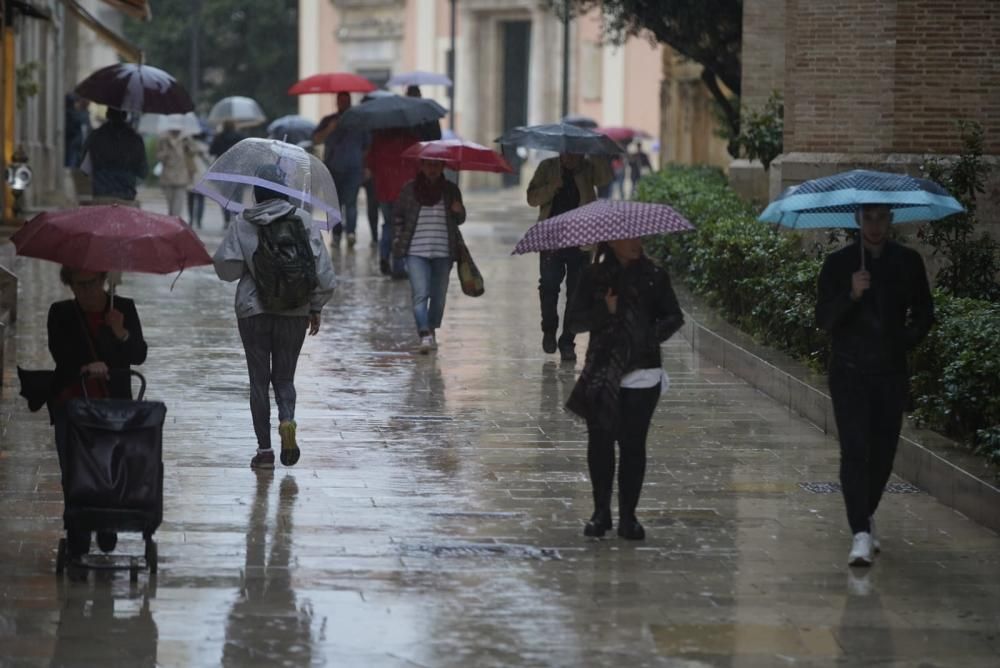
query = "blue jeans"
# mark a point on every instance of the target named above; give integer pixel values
(348, 183)
(429, 281)
(385, 242)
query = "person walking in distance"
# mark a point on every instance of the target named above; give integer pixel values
(876, 310)
(344, 155)
(285, 277)
(222, 142)
(559, 185)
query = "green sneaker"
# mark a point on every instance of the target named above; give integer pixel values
(289, 448)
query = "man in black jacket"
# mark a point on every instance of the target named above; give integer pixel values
(876, 311)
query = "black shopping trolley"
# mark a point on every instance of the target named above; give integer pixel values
(112, 461)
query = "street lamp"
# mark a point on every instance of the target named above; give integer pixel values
(565, 63)
(451, 71)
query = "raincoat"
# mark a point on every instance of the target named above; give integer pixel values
(234, 258)
(593, 172)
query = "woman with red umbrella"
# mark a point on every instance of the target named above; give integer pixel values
(89, 336)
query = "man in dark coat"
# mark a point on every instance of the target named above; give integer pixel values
(876, 311)
(117, 157)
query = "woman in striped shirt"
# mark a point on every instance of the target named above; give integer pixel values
(426, 219)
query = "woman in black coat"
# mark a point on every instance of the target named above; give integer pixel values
(628, 305)
(89, 336)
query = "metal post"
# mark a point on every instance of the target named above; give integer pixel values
(451, 71)
(565, 71)
(195, 64)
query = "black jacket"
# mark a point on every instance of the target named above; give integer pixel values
(874, 334)
(660, 313)
(68, 336)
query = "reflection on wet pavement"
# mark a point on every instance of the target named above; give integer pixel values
(435, 517)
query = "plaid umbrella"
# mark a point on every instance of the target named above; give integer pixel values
(603, 220)
(832, 200)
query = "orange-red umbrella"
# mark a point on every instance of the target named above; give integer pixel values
(459, 155)
(332, 82)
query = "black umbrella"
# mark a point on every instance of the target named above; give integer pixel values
(391, 112)
(580, 121)
(138, 88)
(561, 138)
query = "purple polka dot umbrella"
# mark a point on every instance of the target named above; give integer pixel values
(603, 220)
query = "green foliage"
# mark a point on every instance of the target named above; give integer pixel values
(762, 131)
(956, 383)
(246, 47)
(708, 33)
(973, 260)
(763, 281)
(757, 276)
(26, 76)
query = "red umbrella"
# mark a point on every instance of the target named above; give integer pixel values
(459, 155)
(332, 82)
(623, 134)
(112, 238)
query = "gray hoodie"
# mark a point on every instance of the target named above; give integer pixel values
(234, 258)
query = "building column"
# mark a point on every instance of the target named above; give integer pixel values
(613, 84)
(309, 50)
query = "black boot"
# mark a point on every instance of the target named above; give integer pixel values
(107, 541)
(549, 344)
(599, 524)
(630, 529)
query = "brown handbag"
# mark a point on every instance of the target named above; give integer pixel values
(468, 273)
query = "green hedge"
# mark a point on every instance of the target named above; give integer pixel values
(762, 280)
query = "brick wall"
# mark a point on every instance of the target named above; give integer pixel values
(763, 51)
(890, 76)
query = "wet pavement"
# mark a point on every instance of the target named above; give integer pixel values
(435, 517)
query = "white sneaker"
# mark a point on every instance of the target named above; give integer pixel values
(426, 344)
(434, 341)
(876, 545)
(861, 550)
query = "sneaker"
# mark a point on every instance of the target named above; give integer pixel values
(549, 344)
(861, 550)
(434, 341)
(876, 544)
(383, 267)
(263, 460)
(426, 344)
(351, 239)
(289, 448)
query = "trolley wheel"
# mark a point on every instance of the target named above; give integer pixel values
(133, 570)
(61, 556)
(151, 556)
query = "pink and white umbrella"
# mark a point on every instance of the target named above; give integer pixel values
(603, 220)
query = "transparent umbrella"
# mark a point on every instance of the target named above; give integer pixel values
(158, 124)
(277, 166)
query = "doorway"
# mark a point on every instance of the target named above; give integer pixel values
(516, 55)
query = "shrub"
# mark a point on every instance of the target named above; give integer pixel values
(956, 380)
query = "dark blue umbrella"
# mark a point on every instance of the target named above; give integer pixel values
(292, 129)
(831, 201)
(561, 138)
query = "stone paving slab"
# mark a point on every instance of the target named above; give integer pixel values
(435, 518)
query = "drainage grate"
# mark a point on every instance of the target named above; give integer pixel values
(478, 515)
(483, 550)
(834, 488)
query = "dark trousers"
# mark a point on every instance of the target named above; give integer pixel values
(348, 184)
(372, 202)
(196, 208)
(637, 407)
(553, 267)
(869, 414)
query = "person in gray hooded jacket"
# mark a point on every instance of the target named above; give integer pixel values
(272, 341)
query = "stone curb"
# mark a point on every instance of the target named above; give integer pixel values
(935, 464)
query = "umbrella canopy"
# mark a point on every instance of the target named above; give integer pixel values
(390, 112)
(831, 201)
(292, 129)
(418, 78)
(244, 112)
(303, 178)
(377, 93)
(332, 82)
(458, 155)
(602, 220)
(561, 138)
(112, 238)
(136, 88)
(580, 121)
(158, 124)
(624, 134)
